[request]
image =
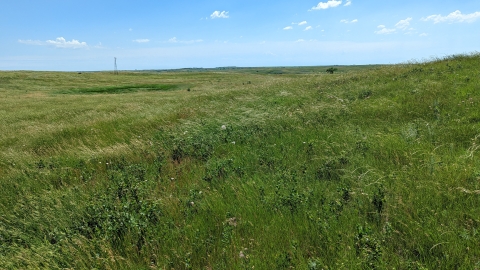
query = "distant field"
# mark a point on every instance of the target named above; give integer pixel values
(269, 70)
(372, 167)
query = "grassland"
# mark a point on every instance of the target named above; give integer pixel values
(373, 167)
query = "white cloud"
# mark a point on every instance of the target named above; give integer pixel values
(59, 42)
(175, 40)
(219, 15)
(300, 40)
(423, 34)
(308, 28)
(30, 42)
(384, 30)
(455, 16)
(325, 5)
(300, 23)
(288, 28)
(348, 3)
(354, 21)
(347, 21)
(403, 24)
(142, 40)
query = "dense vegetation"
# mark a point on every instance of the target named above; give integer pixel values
(367, 168)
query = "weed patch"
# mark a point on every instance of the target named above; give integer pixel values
(123, 215)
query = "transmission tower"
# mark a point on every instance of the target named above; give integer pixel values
(115, 70)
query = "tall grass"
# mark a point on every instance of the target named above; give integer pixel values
(368, 168)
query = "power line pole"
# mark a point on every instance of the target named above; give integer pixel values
(115, 71)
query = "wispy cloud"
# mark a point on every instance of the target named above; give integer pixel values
(383, 30)
(175, 40)
(142, 40)
(347, 21)
(59, 42)
(219, 15)
(454, 17)
(299, 24)
(326, 5)
(403, 24)
(31, 42)
(348, 3)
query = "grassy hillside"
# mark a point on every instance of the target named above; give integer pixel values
(374, 167)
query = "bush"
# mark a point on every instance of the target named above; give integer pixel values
(331, 70)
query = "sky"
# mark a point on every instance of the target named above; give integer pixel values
(86, 35)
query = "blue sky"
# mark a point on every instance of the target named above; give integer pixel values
(84, 35)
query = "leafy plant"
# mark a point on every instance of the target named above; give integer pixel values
(123, 210)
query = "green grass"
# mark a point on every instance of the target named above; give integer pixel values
(120, 89)
(372, 167)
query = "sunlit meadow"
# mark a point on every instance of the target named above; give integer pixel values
(364, 167)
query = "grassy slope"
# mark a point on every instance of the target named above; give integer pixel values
(372, 167)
